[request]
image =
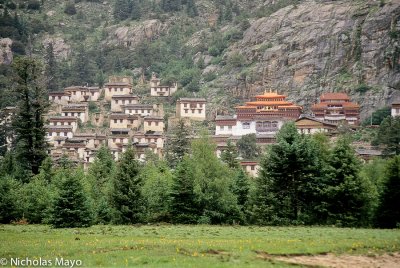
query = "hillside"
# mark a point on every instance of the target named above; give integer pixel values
(225, 50)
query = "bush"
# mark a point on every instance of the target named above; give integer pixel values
(33, 5)
(18, 48)
(236, 60)
(70, 8)
(362, 88)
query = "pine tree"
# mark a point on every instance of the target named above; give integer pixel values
(348, 195)
(178, 144)
(51, 70)
(287, 179)
(247, 146)
(100, 175)
(82, 67)
(122, 9)
(389, 135)
(171, 5)
(136, 12)
(126, 195)
(191, 9)
(241, 188)
(388, 213)
(213, 184)
(8, 199)
(29, 122)
(71, 207)
(230, 155)
(184, 207)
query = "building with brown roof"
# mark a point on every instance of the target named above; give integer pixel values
(193, 108)
(395, 109)
(336, 108)
(264, 116)
(153, 123)
(64, 121)
(117, 101)
(157, 90)
(121, 120)
(311, 125)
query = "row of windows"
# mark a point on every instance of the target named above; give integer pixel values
(266, 124)
(62, 134)
(121, 121)
(138, 111)
(71, 114)
(161, 89)
(62, 124)
(193, 105)
(223, 127)
(123, 101)
(193, 111)
(116, 89)
(149, 123)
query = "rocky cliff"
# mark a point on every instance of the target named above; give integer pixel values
(327, 46)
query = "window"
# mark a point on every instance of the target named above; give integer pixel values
(148, 111)
(156, 124)
(149, 123)
(185, 105)
(274, 124)
(267, 124)
(229, 127)
(246, 125)
(193, 111)
(65, 134)
(115, 120)
(199, 111)
(142, 111)
(221, 127)
(120, 120)
(252, 167)
(186, 111)
(116, 101)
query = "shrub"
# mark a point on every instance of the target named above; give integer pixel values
(18, 48)
(34, 5)
(70, 8)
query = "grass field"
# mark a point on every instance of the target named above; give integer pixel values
(190, 246)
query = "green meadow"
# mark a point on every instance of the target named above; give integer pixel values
(189, 246)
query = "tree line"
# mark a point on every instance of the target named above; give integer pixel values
(304, 180)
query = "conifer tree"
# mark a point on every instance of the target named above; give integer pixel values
(247, 146)
(126, 195)
(213, 184)
(348, 195)
(71, 207)
(122, 10)
(388, 213)
(389, 135)
(191, 8)
(51, 70)
(287, 179)
(241, 188)
(230, 155)
(8, 199)
(136, 12)
(178, 144)
(184, 207)
(100, 175)
(29, 122)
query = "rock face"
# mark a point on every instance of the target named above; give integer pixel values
(327, 46)
(130, 36)
(6, 55)
(60, 48)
